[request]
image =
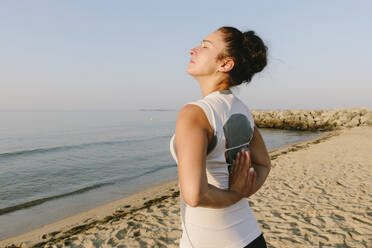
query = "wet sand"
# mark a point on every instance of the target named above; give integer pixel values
(318, 194)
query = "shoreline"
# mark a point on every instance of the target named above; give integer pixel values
(115, 210)
(102, 214)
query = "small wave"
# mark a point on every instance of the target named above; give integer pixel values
(157, 169)
(42, 200)
(78, 146)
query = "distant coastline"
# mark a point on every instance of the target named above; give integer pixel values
(307, 120)
(170, 110)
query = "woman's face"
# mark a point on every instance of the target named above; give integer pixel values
(203, 57)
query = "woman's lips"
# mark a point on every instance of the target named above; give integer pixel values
(191, 61)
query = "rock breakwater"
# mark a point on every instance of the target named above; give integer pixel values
(313, 119)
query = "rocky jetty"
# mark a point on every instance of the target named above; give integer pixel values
(313, 119)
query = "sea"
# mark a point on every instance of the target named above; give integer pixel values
(54, 164)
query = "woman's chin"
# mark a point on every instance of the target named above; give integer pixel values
(189, 71)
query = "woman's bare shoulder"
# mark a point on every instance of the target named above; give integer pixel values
(192, 114)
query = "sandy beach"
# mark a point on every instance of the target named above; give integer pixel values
(318, 194)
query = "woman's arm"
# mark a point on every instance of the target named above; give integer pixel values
(260, 159)
(191, 146)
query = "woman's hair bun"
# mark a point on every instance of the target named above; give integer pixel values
(256, 51)
(248, 51)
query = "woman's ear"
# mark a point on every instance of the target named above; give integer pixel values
(227, 65)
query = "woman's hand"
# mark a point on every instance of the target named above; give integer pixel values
(242, 175)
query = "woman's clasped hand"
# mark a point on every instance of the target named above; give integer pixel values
(243, 176)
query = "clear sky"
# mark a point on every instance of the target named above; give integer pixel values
(112, 55)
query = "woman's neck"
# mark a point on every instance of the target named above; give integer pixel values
(210, 85)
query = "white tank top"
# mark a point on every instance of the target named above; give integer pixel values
(234, 226)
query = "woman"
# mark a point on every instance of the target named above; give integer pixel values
(214, 134)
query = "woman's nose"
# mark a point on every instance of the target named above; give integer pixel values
(193, 51)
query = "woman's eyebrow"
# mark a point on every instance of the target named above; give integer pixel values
(208, 41)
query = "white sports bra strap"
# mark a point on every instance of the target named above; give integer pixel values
(213, 118)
